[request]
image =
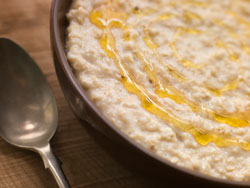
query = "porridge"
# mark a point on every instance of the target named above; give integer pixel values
(174, 75)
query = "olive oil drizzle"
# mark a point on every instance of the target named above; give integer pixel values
(178, 97)
(169, 91)
(106, 19)
(180, 31)
(163, 90)
(187, 63)
(151, 44)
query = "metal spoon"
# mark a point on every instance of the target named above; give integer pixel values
(28, 112)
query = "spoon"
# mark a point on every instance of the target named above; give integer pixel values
(28, 112)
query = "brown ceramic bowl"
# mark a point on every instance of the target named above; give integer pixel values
(84, 109)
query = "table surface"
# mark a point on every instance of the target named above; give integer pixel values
(85, 162)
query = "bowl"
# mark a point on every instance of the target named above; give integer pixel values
(142, 159)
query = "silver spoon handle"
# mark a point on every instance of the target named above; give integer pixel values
(51, 162)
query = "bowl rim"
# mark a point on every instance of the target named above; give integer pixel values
(61, 55)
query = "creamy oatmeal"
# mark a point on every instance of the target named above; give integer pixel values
(172, 74)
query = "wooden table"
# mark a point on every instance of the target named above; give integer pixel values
(85, 162)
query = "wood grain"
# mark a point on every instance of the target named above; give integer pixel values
(85, 163)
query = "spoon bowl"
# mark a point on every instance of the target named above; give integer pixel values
(28, 115)
(28, 112)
